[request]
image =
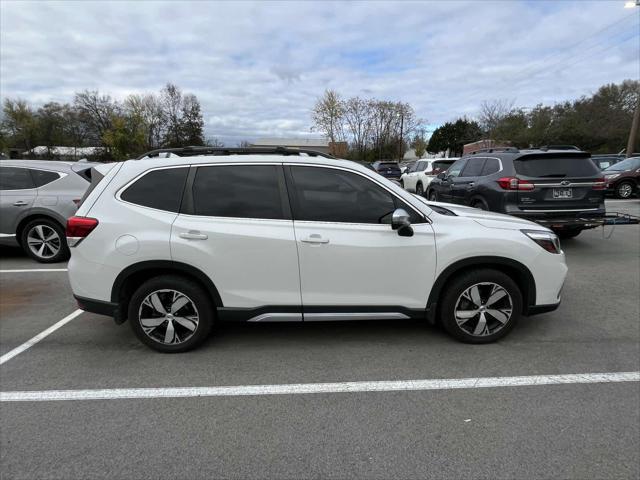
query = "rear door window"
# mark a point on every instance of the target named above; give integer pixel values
(473, 168)
(13, 178)
(159, 189)
(491, 166)
(242, 191)
(42, 177)
(555, 166)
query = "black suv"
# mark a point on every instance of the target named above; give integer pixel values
(387, 169)
(561, 189)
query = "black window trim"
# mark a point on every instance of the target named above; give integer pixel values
(187, 206)
(466, 165)
(499, 164)
(33, 180)
(290, 182)
(121, 190)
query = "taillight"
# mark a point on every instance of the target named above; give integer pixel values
(600, 184)
(515, 183)
(78, 228)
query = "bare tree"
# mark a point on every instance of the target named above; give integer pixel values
(328, 115)
(214, 142)
(492, 112)
(171, 101)
(97, 111)
(358, 117)
(244, 144)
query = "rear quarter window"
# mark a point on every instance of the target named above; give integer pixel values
(42, 177)
(159, 189)
(556, 166)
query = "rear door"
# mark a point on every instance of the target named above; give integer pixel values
(17, 194)
(560, 181)
(465, 185)
(235, 225)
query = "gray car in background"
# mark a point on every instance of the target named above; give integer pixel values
(36, 198)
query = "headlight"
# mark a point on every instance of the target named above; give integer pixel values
(611, 176)
(547, 240)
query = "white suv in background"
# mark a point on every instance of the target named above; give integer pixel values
(416, 178)
(176, 244)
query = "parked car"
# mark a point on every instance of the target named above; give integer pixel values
(387, 169)
(420, 175)
(36, 198)
(623, 178)
(174, 244)
(562, 189)
(605, 161)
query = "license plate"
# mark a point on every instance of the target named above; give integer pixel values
(562, 193)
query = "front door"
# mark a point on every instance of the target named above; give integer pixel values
(350, 258)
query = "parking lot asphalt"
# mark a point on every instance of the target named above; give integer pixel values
(550, 431)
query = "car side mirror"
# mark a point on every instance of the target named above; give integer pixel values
(442, 176)
(400, 221)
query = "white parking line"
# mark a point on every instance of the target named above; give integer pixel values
(30, 343)
(31, 270)
(315, 388)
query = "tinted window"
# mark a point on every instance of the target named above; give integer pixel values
(329, 195)
(456, 168)
(473, 167)
(41, 177)
(628, 164)
(245, 191)
(161, 189)
(441, 166)
(15, 178)
(491, 166)
(552, 166)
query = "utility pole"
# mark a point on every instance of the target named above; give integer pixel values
(635, 126)
(400, 146)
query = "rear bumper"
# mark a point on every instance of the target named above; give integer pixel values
(563, 219)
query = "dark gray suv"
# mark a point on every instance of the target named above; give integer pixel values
(36, 198)
(560, 189)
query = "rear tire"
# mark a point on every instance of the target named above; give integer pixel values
(480, 306)
(624, 190)
(480, 204)
(171, 314)
(44, 240)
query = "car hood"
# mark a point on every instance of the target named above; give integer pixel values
(486, 218)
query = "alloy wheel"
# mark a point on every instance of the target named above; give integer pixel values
(419, 190)
(44, 241)
(168, 317)
(625, 190)
(483, 309)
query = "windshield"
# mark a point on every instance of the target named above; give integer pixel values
(628, 164)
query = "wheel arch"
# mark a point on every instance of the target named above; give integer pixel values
(514, 269)
(34, 216)
(131, 277)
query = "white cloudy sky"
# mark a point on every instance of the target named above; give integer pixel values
(257, 67)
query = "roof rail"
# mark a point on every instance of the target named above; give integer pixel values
(559, 147)
(194, 151)
(495, 149)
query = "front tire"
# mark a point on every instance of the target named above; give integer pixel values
(44, 240)
(419, 189)
(624, 190)
(480, 306)
(433, 196)
(171, 314)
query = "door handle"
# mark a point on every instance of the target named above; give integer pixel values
(315, 238)
(193, 235)
(20, 203)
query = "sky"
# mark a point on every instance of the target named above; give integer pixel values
(258, 67)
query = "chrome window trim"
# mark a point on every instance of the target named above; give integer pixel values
(570, 184)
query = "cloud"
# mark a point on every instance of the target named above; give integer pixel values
(257, 67)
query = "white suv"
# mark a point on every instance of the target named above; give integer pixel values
(176, 244)
(419, 176)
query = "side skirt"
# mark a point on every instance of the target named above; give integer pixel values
(277, 313)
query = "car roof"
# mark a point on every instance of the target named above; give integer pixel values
(514, 153)
(43, 164)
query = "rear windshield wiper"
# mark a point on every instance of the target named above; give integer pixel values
(559, 175)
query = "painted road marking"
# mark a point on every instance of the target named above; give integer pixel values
(34, 270)
(30, 343)
(315, 388)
